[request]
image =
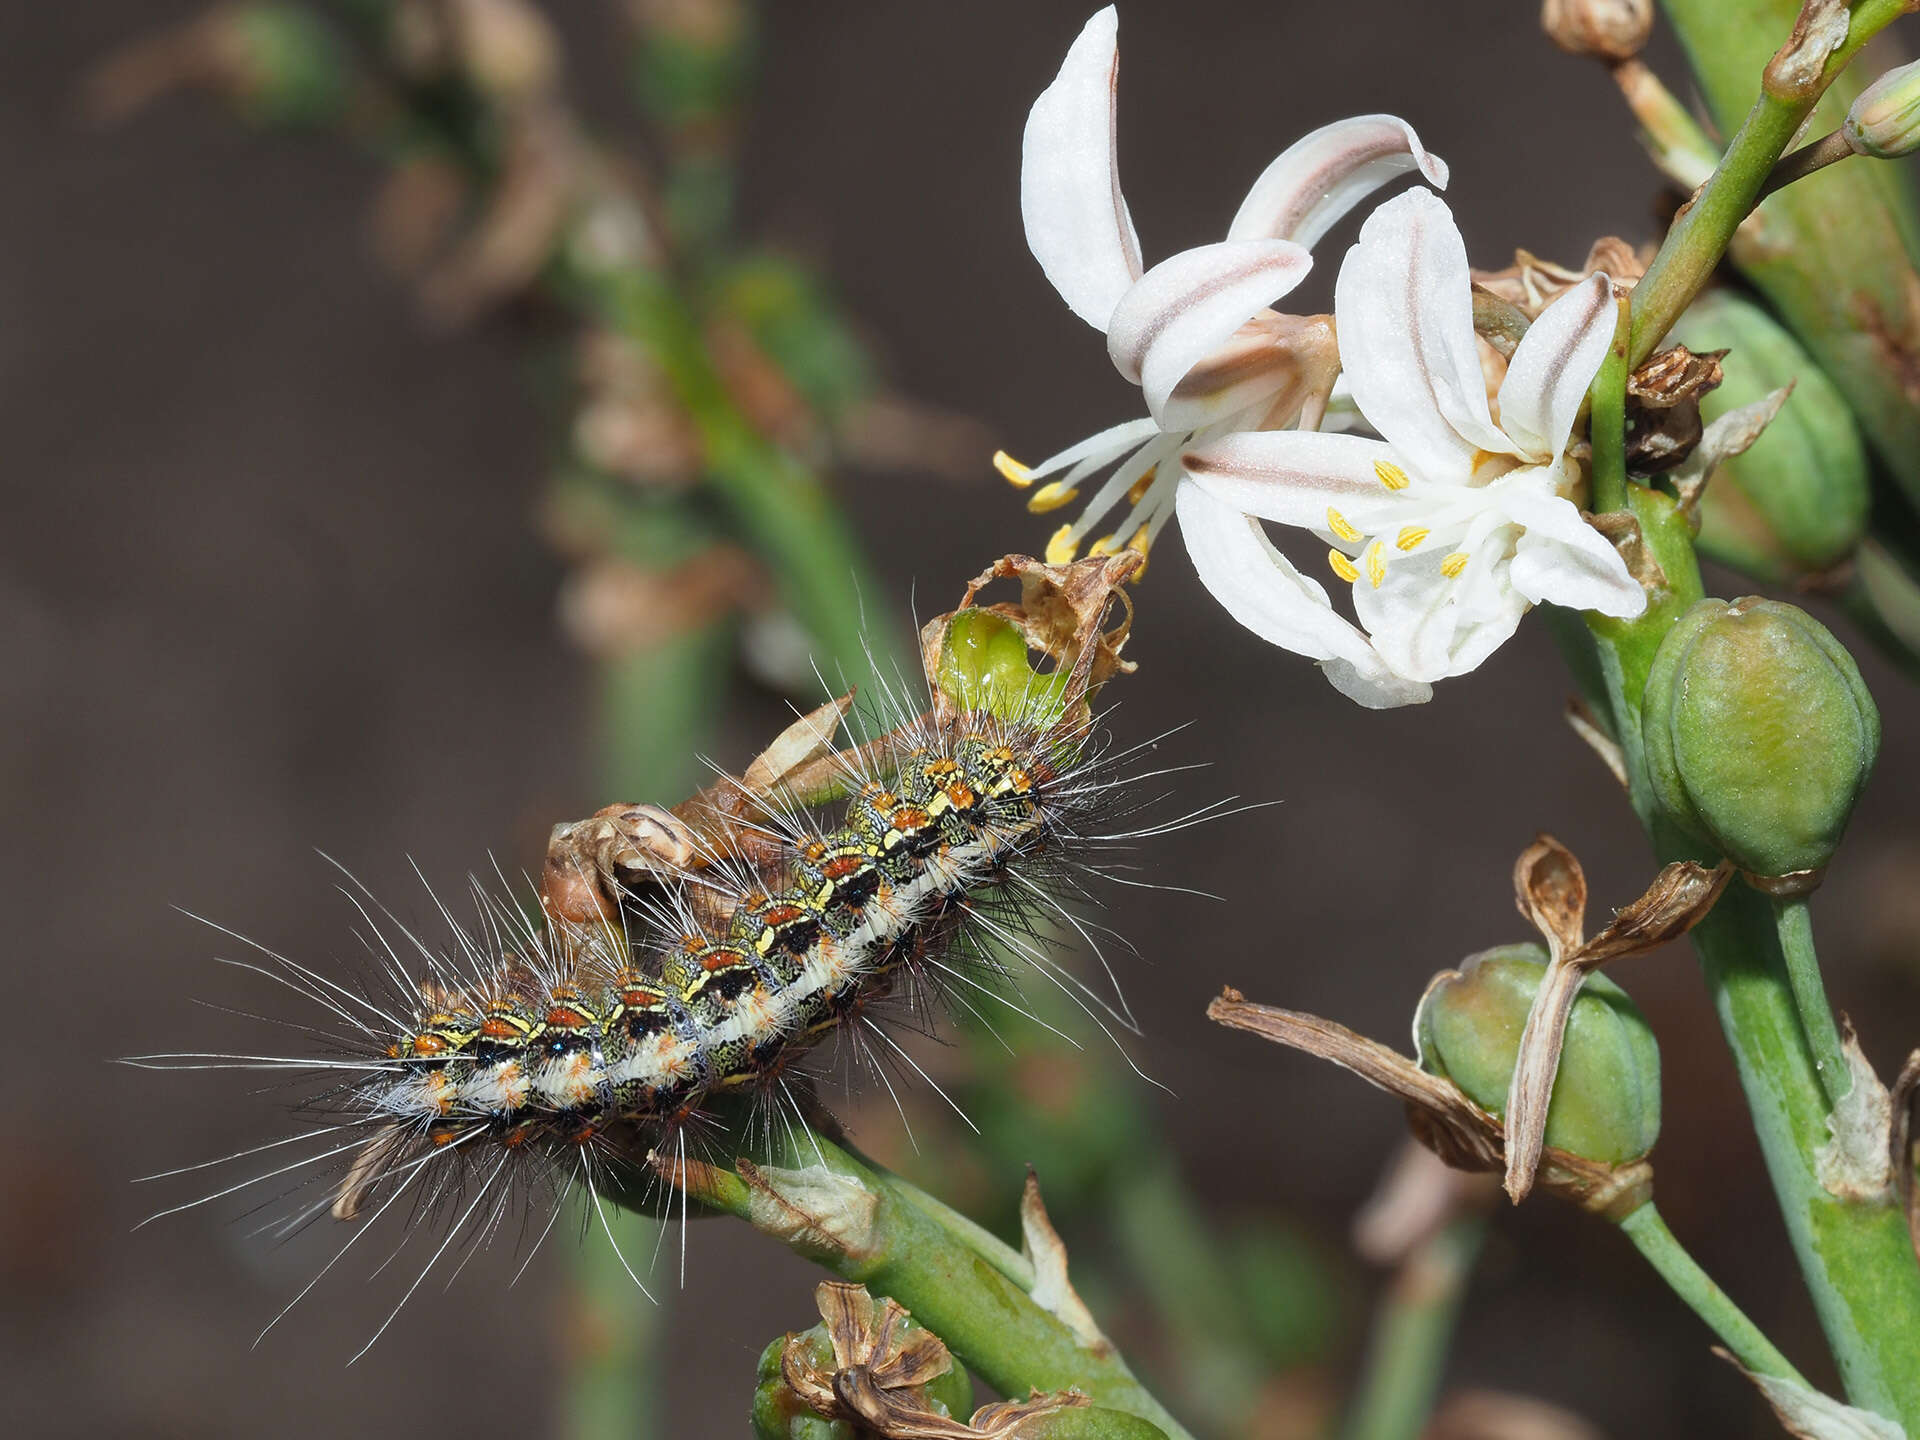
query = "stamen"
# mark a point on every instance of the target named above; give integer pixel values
(1376, 562)
(1138, 490)
(1012, 469)
(1062, 547)
(1052, 496)
(1105, 545)
(1411, 536)
(1339, 525)
(1142, 541)
(1342, 566)
(1390, 475)
(1454, 564)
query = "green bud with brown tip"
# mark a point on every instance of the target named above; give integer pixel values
(1759, 733)
(1606, 1099)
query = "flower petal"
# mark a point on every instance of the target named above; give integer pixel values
(1190, 304)
(1320, 177)
(1104, 448)
(1077, 222)
(1555, 362)
(1410, 615)
(1564, 560)
(1293, 477)
(1260, 589)
(1405, 315)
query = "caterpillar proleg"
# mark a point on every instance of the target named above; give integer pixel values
(692, 957)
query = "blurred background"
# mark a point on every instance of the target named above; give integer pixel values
(281, 572)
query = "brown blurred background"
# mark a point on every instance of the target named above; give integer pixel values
(269, 585)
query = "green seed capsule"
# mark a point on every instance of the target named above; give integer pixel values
(1759, 733)
(1797, 501)
(1885, 120)
(984, 666)
(779, 1414)
(1606, 1100)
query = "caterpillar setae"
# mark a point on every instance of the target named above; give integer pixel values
(574, 1048)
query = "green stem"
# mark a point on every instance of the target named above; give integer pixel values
(867, 1225)
(780, 506)
(1608, 423)
(1831, 254)
(1856, 1256)
(657, 707)
(1808, 160)
(1406, 1358)
(1703, 230)
(1656, 1243)
(1793, 922)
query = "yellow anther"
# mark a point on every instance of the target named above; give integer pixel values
(1411, 536)
(1137, 491)
(1062, 547)
(1105, 545)
(1390, 475)
(1376, 562)
(1342, 566)
(1052, 496)
(1339, 525)
(1139, 541)
(1454, 564)
(1019, 474)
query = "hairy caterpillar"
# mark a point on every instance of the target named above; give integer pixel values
(574, 1049)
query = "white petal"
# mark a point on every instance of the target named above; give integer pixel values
(1405, 315)
(1410, 615)
(1191, 304)
(1293, 477)
(1077, 222)
(1102, 449)
(1556, 360)
(1261, 590)
(1563, 559)
(1319, 178)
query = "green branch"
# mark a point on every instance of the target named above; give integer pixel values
(1705, 227)
(1656, 1243)
(864, 1224)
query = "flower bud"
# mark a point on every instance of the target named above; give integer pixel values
(1610, 30)
(1797, 500)
(1884, 121)
(1606, 1099)
(1759, 733)
(984, 666)
(780, 1413)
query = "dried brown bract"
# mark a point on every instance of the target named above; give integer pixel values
(1663, 407)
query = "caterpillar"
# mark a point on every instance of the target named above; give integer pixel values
(572, 1047)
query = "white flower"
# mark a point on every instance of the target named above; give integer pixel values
(1452, 525)
(1195, 331)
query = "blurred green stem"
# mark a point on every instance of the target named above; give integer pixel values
(1648, 1231)
(658, 706)
(782, 510)
(1407, 1355)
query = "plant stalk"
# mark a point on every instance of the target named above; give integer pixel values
(853, 1218)
(1648, 1231)
(1793, 923)
(1406, 1357)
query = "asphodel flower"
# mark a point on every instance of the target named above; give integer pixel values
(1196, 332)
(1453, 524)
